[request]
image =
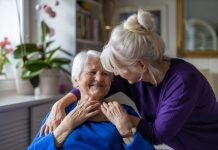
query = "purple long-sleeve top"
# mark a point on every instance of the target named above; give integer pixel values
(181, 111)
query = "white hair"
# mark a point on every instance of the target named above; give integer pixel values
(79, 62)
(132, 40)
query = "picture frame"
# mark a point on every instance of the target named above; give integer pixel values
(158, 11)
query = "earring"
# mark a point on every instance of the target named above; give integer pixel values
(152, 76)
(142, 74)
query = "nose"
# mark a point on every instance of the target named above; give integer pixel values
(99, 77)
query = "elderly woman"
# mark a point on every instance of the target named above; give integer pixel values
(85, 126)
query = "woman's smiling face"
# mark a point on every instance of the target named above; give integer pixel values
(94, 81)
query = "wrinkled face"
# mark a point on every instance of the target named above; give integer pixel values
(94, 81)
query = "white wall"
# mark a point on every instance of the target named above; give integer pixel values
(9, 27)
(64, 23)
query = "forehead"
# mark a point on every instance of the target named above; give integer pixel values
(92, 63)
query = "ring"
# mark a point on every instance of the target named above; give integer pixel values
(79, 113)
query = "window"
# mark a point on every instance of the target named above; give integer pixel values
(11, 28)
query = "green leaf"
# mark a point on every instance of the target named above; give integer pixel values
(60, 61)
(36, 65)
(7, 60)
(49, 43)
(45, 30)
(66, 52)
(26, 74)
(24, 50)
(19, 64)
(51, 53)
(34, 56)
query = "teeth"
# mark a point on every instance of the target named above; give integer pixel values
(97, 85)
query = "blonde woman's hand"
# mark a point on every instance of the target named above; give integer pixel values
(55, 117)
(118, 116)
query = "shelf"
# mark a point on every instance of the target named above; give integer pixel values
(97, 4)
(89, 25)
(79, 9)
(90, 42)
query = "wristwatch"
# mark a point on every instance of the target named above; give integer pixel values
(131, 132)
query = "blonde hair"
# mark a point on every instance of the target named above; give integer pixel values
(132, 40)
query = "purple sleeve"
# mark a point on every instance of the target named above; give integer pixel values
(119, 85)
(175, 107)
(76, 92)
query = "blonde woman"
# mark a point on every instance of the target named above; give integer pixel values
(177, 105)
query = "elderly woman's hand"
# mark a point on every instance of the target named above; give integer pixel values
(56, 115)
(83, 111)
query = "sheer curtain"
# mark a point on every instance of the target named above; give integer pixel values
(11, 28)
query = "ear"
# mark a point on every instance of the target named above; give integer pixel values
(142, 64)
(76, 84)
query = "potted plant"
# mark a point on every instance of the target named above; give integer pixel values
(40, 62)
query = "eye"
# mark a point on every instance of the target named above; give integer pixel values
(105, 73)
(91, 73)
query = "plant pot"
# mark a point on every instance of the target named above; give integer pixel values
(49, 82)
(2, 76)
(23, 87)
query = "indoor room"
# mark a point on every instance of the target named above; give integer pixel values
(157, 58)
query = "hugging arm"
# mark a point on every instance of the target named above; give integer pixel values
(76, 117)
(57, 113)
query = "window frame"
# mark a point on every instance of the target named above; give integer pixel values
(9, 83)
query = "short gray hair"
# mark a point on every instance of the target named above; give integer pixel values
(132, 40)
(79, 62)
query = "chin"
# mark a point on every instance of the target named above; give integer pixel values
(96, 95)
(131, 82)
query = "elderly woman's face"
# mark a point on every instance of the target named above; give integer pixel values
(94, 81)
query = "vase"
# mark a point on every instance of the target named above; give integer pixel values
(2, 76)
(49, 82)
(23, 87)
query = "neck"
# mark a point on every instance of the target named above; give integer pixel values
(92, 98)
